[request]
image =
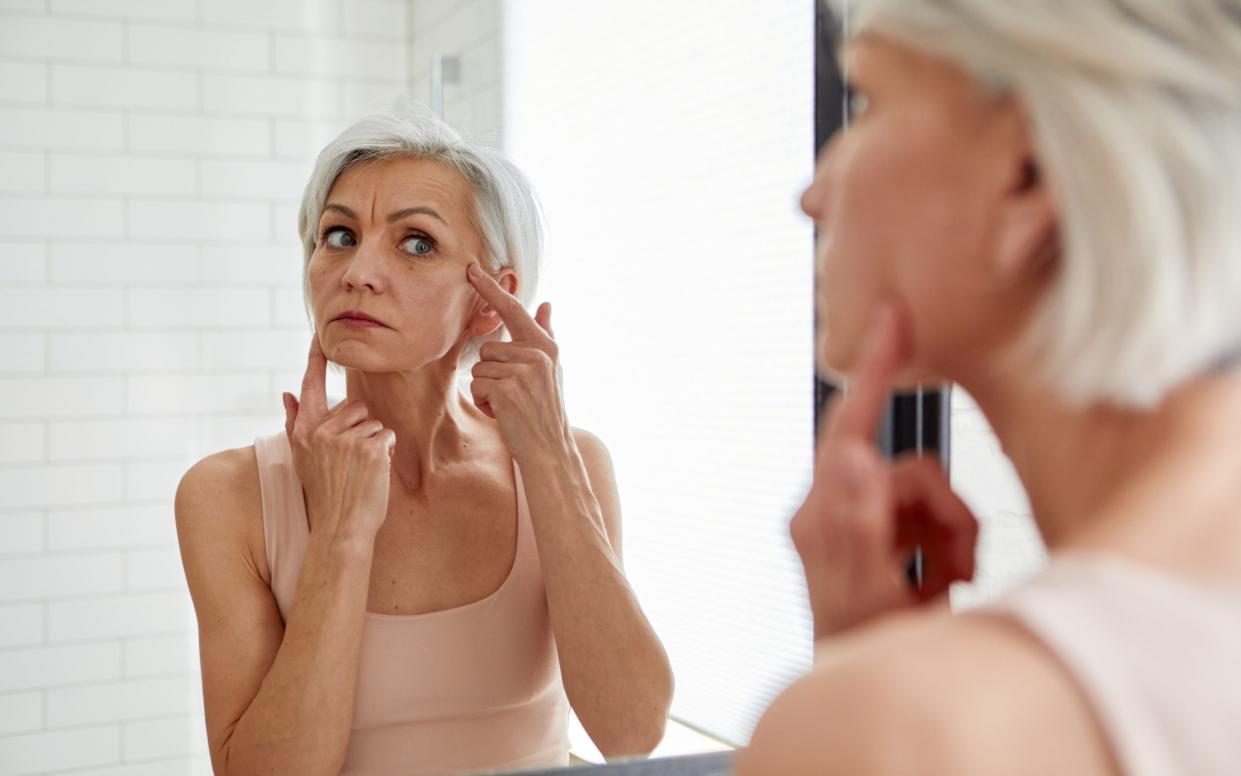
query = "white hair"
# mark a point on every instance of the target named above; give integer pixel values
(1135, 107)
(506, 212)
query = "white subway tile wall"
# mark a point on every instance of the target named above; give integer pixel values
(152, 156)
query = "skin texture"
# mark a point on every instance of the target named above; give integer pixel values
(939, 237)
(410, 492)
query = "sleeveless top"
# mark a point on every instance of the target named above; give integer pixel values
(460, 690)
(1157, 657)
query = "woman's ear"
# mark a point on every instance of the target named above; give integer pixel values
(1026, 239)
(1027, 233)
(486, 319)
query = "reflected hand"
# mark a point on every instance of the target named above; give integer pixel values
(518, 382)
(342, 456)
(863, 516)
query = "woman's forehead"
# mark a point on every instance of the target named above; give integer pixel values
(401, 182)
(874, 53)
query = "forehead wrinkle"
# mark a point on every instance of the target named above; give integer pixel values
(432, 185)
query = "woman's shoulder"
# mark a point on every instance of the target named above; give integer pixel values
(931, 693)
(219, 499)
(221, 476)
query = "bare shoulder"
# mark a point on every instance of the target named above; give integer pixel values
(591, 447)
(931, 694)
(227, 479)
(597, 459)
(598, 463)
(219, 499)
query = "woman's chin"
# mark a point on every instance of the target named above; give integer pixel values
(835, 362)
(352, 355)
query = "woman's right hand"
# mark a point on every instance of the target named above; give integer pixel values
(342, 456)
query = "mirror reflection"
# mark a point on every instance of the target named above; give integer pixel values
(607, 483)
(283, 485)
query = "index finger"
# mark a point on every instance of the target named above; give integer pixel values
(515, 317)
(858, 411)
(314, 390)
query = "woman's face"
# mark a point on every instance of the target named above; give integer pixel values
(925, 202)
(394, 241)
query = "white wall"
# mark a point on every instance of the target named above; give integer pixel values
(469, 30)
(152, 153)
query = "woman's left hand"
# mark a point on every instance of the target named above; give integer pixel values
(864, 516)
(518, 382)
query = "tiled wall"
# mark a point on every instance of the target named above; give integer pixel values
(152, 153)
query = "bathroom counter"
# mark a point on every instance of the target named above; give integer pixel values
(714, 764)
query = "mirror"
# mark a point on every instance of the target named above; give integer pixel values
(152, 158)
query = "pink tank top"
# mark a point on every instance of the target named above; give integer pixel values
(1157, 656)
(467, 689)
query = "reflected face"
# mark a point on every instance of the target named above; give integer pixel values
(393, 243)
(905, 201)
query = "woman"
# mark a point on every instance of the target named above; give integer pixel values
(412, 581)
(1037, 201)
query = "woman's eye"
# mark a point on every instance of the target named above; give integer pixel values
(339, 237)
(856, 103)
(419, 246)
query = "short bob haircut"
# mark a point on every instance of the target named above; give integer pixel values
(506, 212)
(1135, 107)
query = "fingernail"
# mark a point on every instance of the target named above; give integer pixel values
(474, 270)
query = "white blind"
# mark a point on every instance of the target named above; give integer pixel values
(669, 143)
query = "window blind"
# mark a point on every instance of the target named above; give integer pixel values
(669, 143)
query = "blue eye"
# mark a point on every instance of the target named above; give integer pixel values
(339, 237)
(419, 246)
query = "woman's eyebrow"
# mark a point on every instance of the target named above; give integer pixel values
(409, 211)
(397, 216)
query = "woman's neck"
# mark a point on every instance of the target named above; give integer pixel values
(1155, 483)
(434, 424)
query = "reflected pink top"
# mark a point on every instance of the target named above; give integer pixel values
(472, 688)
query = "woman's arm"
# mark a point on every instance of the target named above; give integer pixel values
(615, 670)
(278, 699)
(279, 696)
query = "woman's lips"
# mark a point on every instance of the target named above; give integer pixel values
(357, 319)
(359, 323)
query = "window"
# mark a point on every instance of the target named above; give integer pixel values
(669, 145)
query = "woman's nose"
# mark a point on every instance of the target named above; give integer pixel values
(814, 198)
(808, 201)
(364, 269)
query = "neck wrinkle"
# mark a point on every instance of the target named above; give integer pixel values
(434, 423)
